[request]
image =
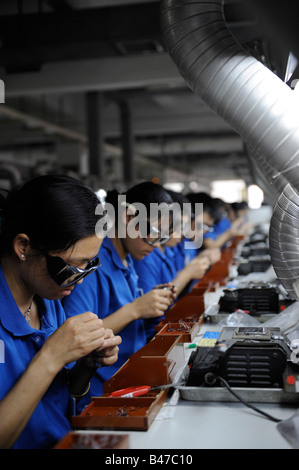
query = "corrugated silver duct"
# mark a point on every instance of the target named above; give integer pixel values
(260, 177)
(253, 100)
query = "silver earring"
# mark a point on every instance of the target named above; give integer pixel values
(23, 256)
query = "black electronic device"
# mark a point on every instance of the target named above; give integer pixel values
(256, 249)
(257, 237)
(256, 300)
(254, 357)
(253, 264)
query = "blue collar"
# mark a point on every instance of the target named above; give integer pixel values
(115, 258)
(10, 315)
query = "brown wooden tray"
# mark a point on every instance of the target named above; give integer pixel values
(155, 364)
(188, 309)
(183, 330)
(121, 413)
(93, 440)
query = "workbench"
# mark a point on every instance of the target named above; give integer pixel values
(179, 424)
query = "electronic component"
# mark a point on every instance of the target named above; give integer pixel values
(255, 300)
(254, 264)
(257, 249)
(245, 357)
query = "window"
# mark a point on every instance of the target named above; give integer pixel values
(255, 196)
(229, 190)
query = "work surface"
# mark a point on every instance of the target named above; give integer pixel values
(194, 425)
(213, 423)
(197, 425)
(183, 424)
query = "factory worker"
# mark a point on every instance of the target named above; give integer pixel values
(47, 244)
(167, 264)
(176, 261)
(228, 224)
(112, 291)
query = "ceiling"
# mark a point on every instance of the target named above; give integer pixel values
(91, 90)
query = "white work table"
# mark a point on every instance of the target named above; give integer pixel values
(189, 426)
(197, 425)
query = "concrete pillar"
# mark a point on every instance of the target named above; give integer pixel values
(128, 143)
(94, 110)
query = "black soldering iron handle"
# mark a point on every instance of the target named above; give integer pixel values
(80, 376)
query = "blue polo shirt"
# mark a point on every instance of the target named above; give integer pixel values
(103, 292)
(220, 227)
(19, 344)
(156, 268)
(159, 267)
(184, 255)
(180, 256)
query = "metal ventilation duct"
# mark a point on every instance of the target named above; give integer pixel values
(254, 101)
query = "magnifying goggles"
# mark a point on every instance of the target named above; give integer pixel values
(155, 236)
(207, 228)
(66, 275)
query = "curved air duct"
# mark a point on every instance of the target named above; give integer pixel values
(257, 105)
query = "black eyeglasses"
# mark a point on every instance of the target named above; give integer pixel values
(204, 227)
(161, 240)
(153, 236)
(150, 232)
(207, 228)
(66, 275)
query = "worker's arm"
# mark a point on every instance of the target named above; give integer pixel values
(150, 305)
(193, 270)
(77, 337)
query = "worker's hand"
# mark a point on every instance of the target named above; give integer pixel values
(107, 354)
(198, 266)
(75, 338)
(214, 254)
(169, 286)
(240, 227)
(153, 304)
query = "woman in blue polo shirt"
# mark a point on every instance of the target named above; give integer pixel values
(169, 263)
(160, 267)
(112, 291)
(227, 225)
(47, 244)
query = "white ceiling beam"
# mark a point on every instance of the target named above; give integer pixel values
(106, 74)
(216, 145)
(49, 127)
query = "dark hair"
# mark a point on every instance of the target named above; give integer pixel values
(54, 211)
(145, 193)
(239, 206)
(148, 193)
(178, 197)
(209, 204)
(181, 199)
